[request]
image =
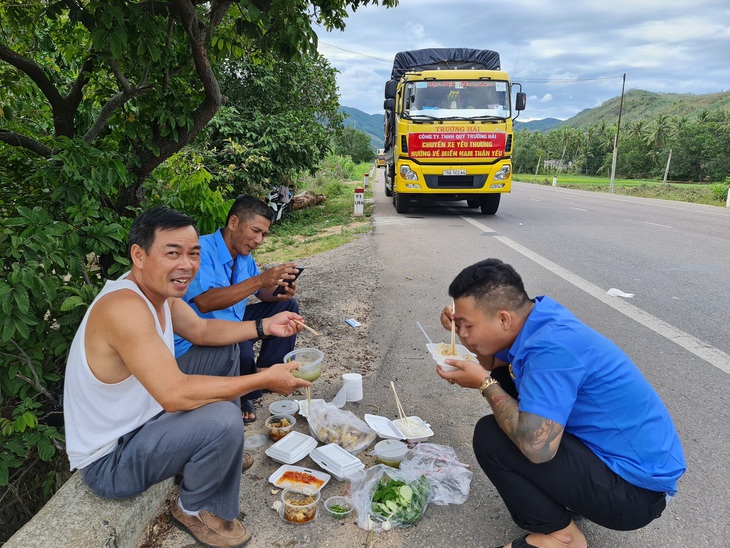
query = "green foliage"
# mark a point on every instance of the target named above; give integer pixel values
(354, 143)
(699, 149)
(719, 190)
(96, 97)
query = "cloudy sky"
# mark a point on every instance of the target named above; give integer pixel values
(568, 55)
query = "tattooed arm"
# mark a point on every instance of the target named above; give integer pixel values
(536, 437)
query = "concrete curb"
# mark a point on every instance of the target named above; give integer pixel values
(76, 517)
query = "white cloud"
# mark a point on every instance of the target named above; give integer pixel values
(567, 58)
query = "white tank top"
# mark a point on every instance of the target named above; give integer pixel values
(97, 414)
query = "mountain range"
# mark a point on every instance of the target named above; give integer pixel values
(638, 105)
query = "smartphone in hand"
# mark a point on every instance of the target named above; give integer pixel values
(281, 289)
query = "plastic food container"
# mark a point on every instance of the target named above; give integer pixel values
(279, 426)
(311, 360)
(292, 448)
(384, 427)
(390, 452)
(335, 460)
(414, 429)
(439, 353)
(299, 505)
(297, 477)
(338, 507)
(283, 407)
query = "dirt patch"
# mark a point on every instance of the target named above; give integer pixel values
(340, 284)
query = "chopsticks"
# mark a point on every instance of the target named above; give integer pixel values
(305, 326)
(453, 328)
(401, 413)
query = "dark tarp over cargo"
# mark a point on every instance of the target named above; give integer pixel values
(444, 58)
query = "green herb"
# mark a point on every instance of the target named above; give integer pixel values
(339, 509)
(398, 502)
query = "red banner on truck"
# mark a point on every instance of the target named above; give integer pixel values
(456, 143)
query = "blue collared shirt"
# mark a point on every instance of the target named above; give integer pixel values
(217, 269)
(569, 373)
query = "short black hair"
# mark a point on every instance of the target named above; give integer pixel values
(493, 284)
(246, 207)
(157, 218)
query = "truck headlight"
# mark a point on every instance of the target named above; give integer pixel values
(408, 174)
(503, 173)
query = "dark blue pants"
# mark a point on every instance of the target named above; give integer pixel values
(273, 349)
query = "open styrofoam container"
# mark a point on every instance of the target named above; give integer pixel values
(461, 354)
(336, 460)
(384, 427)
(421, 430)
(277, 477)
(292, 448)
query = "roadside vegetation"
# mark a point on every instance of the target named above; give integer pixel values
(700, 193)
(110, 108)
(306, 232)
(689, 151)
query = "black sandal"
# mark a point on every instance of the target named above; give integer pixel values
(521, 543)
(248, 407)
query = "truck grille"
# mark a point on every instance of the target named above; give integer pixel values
(455, 181)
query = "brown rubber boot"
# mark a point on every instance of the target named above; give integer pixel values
(210, 530)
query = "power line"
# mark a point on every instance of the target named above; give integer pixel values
(565, 80)
(530, 80)
(357, 53)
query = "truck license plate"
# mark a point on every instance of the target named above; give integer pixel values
(453, 172)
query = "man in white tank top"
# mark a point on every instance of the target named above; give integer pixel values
(133, 418)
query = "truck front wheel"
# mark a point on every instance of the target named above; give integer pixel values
(489, 203)
(402, 203)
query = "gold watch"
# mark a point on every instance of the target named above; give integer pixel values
(488, 381)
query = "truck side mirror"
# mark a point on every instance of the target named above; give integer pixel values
(390, 89)
(520, 101)
(389, 104)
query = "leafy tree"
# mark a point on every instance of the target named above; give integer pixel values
(355, 144)
(95, 96)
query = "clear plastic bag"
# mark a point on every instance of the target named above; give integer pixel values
(376, 516)
(332, 425)
(450, 479)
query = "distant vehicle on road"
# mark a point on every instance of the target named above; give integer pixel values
(380, 158)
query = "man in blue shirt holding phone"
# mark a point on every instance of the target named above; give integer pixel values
(228, 276)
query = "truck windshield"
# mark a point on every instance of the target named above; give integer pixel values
(450, 99)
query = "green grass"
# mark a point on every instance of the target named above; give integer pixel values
(709, 194)
(319, 228)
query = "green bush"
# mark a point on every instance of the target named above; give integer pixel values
(719, 190)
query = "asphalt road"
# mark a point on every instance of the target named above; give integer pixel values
(573, 246)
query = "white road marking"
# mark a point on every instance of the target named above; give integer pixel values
(656, 224)
(699, 348)
(579, 208)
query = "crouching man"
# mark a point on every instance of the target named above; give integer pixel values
(133, 418)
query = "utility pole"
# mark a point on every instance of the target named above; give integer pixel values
(666, 171)
(618, 128)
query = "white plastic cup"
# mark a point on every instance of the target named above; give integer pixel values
(352, 382)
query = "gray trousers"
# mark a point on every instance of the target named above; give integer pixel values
(205, 445)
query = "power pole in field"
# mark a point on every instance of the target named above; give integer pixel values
(618, 128)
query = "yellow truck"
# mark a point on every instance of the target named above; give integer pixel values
(380, 158)
(449, 128)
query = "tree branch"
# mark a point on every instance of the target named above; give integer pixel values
(18, 140)
(35, 73)
(108, 109)
(197, 34)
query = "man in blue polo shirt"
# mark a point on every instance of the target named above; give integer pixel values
(228, 275)
(575, 429)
